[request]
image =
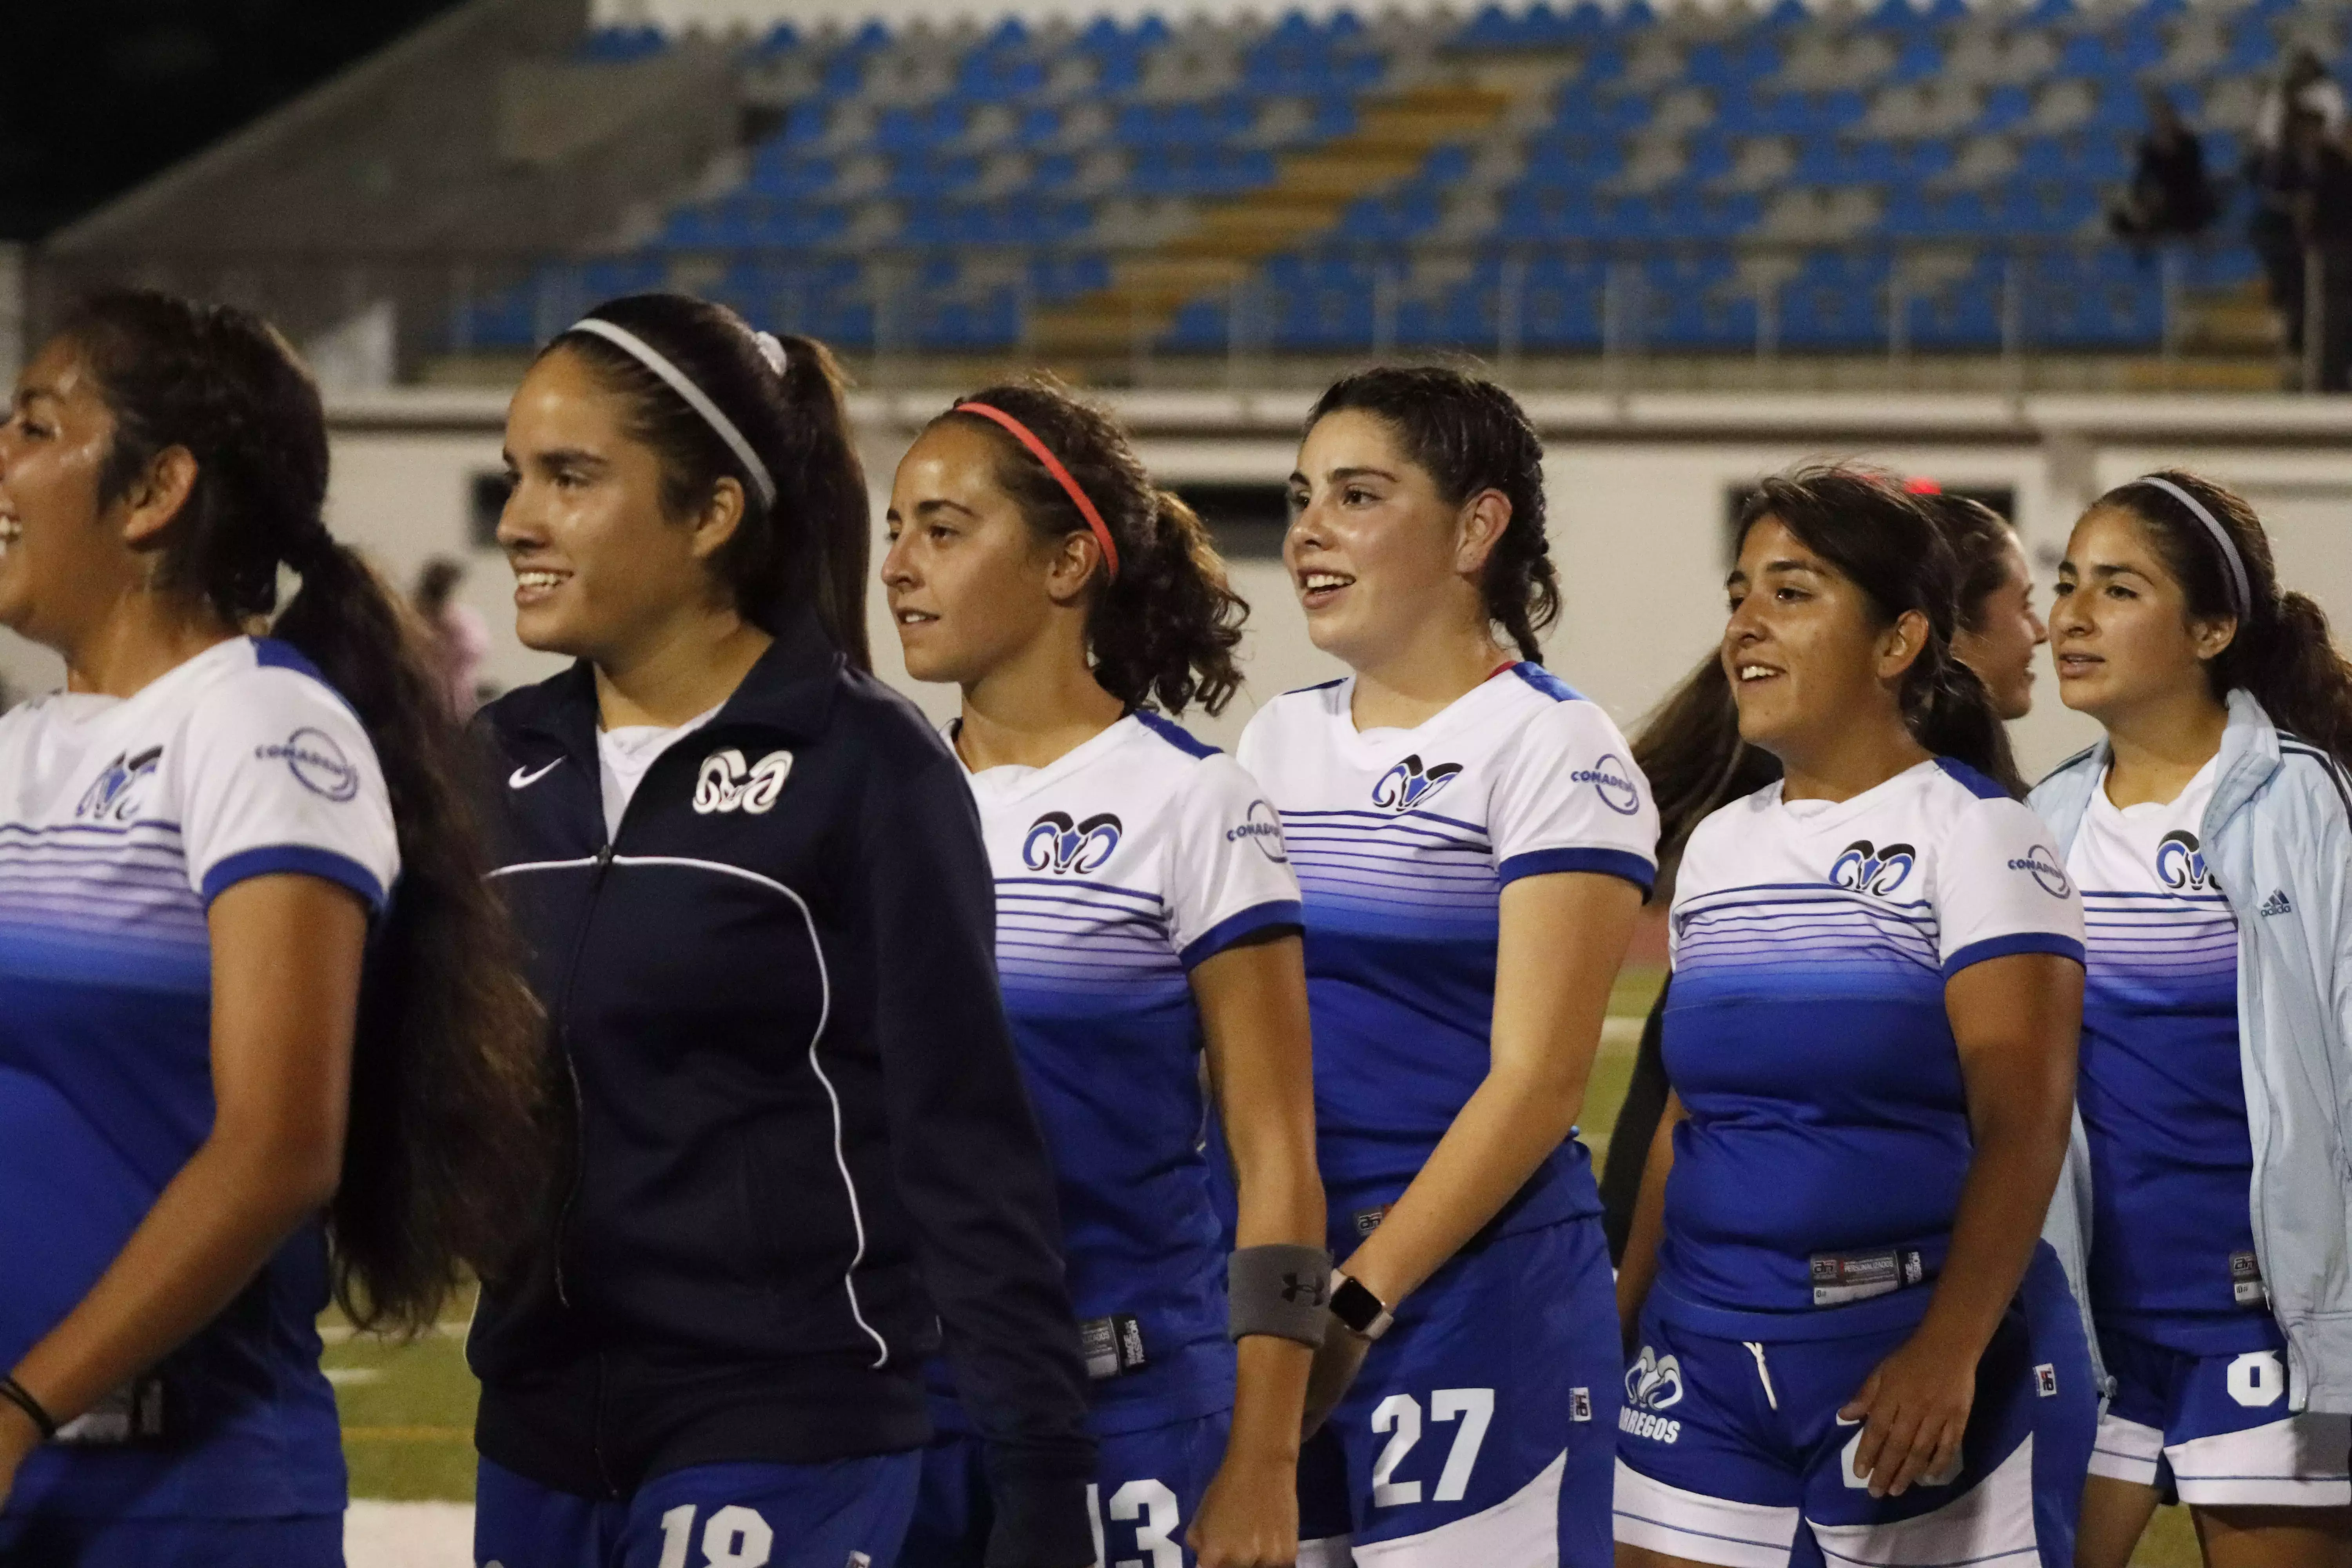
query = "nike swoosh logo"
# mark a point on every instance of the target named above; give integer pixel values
(523, 779)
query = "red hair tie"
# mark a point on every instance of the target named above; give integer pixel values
(1037, 450)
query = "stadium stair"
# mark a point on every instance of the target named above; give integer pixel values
(1311, 193)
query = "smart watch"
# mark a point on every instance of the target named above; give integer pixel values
(1359, 1310)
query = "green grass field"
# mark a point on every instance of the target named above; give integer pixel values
(408, 1409)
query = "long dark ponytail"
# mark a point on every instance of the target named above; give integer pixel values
(2283, 653)
(1163, 629)
(1886, 544)
(1690, 751)
(443, 1161)
(809, 548)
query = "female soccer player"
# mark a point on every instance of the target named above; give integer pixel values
(1144, 910)
(1473, 845)
(202, 1131)
(2206, 1208)
(1995, 630)
(1878, 973)
(1689, 749)
(760, 918)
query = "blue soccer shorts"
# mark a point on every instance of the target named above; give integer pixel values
(1732, 1452)
(2217, 1427)
(848, 1513)
(1480, 1433)
(1147, 1486)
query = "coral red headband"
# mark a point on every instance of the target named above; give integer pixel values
(1037, 450)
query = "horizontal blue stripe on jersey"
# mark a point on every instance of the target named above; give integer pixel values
(1371, 827)
(1152, 899)
(102, 902)
(113, 883)
(103, 829)
(1395, 873)
(1083, 970)
(1622, 863)
(1402, 819)
(2166, 897)
(1806, 950)
(1082, 938)
(2048, 942)
(1384, 895)
(141, 962)
(1064, 906)
(294, 859)
(1757, 923)
(1275, 912)
(1451, 860)
(1824, 892)
(101, 916)
(1378, 917)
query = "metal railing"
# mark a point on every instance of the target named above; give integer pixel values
(1609, 313)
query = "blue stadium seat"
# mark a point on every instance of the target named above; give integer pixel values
(623, 46)
(777, 235)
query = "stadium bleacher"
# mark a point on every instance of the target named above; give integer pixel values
(1551, 180)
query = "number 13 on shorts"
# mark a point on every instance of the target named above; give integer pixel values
(1150, 1506)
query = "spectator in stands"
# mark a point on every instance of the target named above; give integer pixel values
(461, 640)
(2303, 83)
(2279, 174)
(2170, 194)
(2326, 225)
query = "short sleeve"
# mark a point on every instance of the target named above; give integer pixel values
(2001, 888)
(279, 777)
(1229, 875)
(1568, 798)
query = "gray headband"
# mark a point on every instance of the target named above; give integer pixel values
(2242, 593)
(645, 353)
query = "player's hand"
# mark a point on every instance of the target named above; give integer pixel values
(1337, 1361)
(1914, 1409)
(1249, 1516)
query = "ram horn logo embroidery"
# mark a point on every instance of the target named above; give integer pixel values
(1056, 843)
(1654, 1382)
(2181, 863)
(1409, 784)
(1866, 868)
(112, 797)
(727, 784)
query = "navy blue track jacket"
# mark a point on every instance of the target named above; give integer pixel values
(801, 1144)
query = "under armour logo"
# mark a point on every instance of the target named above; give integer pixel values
(1294, 1286)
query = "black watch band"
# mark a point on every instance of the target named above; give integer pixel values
(1357, 1309)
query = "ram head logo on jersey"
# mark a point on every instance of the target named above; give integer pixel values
(1876, 872)
(1056, 843)
(2181, 864)
(115, 795)
(727, 784)
(1654, 1382)
(1409, 784)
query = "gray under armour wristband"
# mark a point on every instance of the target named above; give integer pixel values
(1282, 1290)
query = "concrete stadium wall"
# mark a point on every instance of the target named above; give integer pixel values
(1639, 495)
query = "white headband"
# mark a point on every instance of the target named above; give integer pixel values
(2242, 601)
(643, 353)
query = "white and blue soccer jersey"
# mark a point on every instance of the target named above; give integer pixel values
(121, 821)
(1119, 867)
(2161, 1092)
(1806, 1034)
(1403, 841)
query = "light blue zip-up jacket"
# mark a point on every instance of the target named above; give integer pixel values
(2278, 837)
